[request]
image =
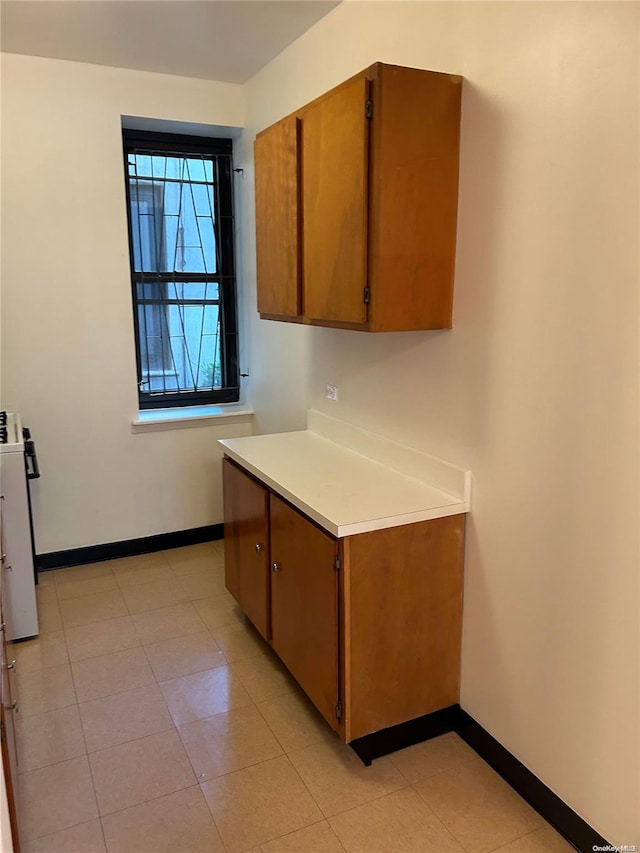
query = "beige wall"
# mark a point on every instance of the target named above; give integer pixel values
(536, 388)
(68, 358)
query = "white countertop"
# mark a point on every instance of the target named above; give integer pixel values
(342, 490)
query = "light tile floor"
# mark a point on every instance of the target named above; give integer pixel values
(154, 719)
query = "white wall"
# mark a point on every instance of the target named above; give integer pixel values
(68, 357)
(536, 387)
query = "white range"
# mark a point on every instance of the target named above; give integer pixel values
(18, 465)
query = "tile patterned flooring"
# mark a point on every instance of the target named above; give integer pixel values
(154, 719)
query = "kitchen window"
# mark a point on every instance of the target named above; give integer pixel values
(180, 215)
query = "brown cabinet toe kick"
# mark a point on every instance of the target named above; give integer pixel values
(369, 625)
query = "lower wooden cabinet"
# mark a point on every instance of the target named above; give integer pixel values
(369, 625)
(8, 707)
(246, 538)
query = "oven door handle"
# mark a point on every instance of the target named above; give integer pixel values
(30, 454)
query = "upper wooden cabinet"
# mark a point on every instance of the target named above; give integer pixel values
(356, 204)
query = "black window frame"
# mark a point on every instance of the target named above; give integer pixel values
(221, 150)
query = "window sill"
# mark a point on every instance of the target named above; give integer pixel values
(156, 420)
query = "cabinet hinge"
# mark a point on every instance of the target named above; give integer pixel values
(366, 295)
(339, 711)
(337, 564)
(369, 109)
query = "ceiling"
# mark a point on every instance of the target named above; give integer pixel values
(227, 40)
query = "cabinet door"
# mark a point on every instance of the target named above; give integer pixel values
(413, 161)
(277, 219)
(304, 605)
(246, 544)
(8, 738)
(334, 200)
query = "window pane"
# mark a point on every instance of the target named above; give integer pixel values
(210, 368)
(210, 322)
(171, 237)
(172, 199)
(203, 199)
(190, 253)
(146, 225)
(178, 291)
(159, 166)
(154, 339)
(141, 164)
(191, 290)
(182, 340)
(151, 290)
(174, 167)
(195, 169)
(208, 238)
(173, 225)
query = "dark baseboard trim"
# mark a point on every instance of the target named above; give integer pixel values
(554, 810)
(453, 719)
(381, 743)
(128, 548)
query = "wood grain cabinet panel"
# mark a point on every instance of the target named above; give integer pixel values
(8, 707)
(9, 754)
(403, 623)
(277, 156)
(304, 605)
(246, 544)
(369, 625)
(334, 149)
(377, 162)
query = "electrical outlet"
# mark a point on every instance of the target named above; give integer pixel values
(332, 392)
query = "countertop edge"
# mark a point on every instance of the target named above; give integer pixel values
(456, 506)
